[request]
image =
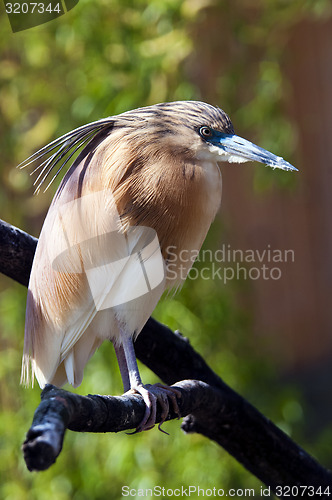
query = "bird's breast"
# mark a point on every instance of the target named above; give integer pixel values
(179, 201)
(174, 194)
(194, 217)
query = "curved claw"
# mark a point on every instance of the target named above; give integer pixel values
(151, 394)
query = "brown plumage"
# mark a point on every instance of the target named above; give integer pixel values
(149, 171)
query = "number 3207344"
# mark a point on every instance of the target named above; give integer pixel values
(32, 7)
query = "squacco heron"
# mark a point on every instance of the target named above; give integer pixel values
(144, 181)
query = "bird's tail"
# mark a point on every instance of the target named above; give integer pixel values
(27, 373)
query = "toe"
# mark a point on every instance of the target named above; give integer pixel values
(151, 394)
(150, 401)
(173, 395)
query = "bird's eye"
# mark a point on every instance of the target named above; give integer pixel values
(205, 132)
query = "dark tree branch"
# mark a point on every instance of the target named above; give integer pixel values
(212, 408)
(17, 249)
(61, 410)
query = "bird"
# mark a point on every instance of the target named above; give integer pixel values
(144, 185)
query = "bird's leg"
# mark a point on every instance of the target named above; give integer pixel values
(151, 393)
(119, 351)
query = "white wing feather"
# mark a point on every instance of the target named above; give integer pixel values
(90, 280)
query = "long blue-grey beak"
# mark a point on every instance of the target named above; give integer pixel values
(240, 150)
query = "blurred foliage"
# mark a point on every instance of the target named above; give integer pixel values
(101, 59)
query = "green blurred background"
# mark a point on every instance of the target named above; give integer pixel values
(267, 64)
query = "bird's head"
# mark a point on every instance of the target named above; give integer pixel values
(200, 130)
(194, 129)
